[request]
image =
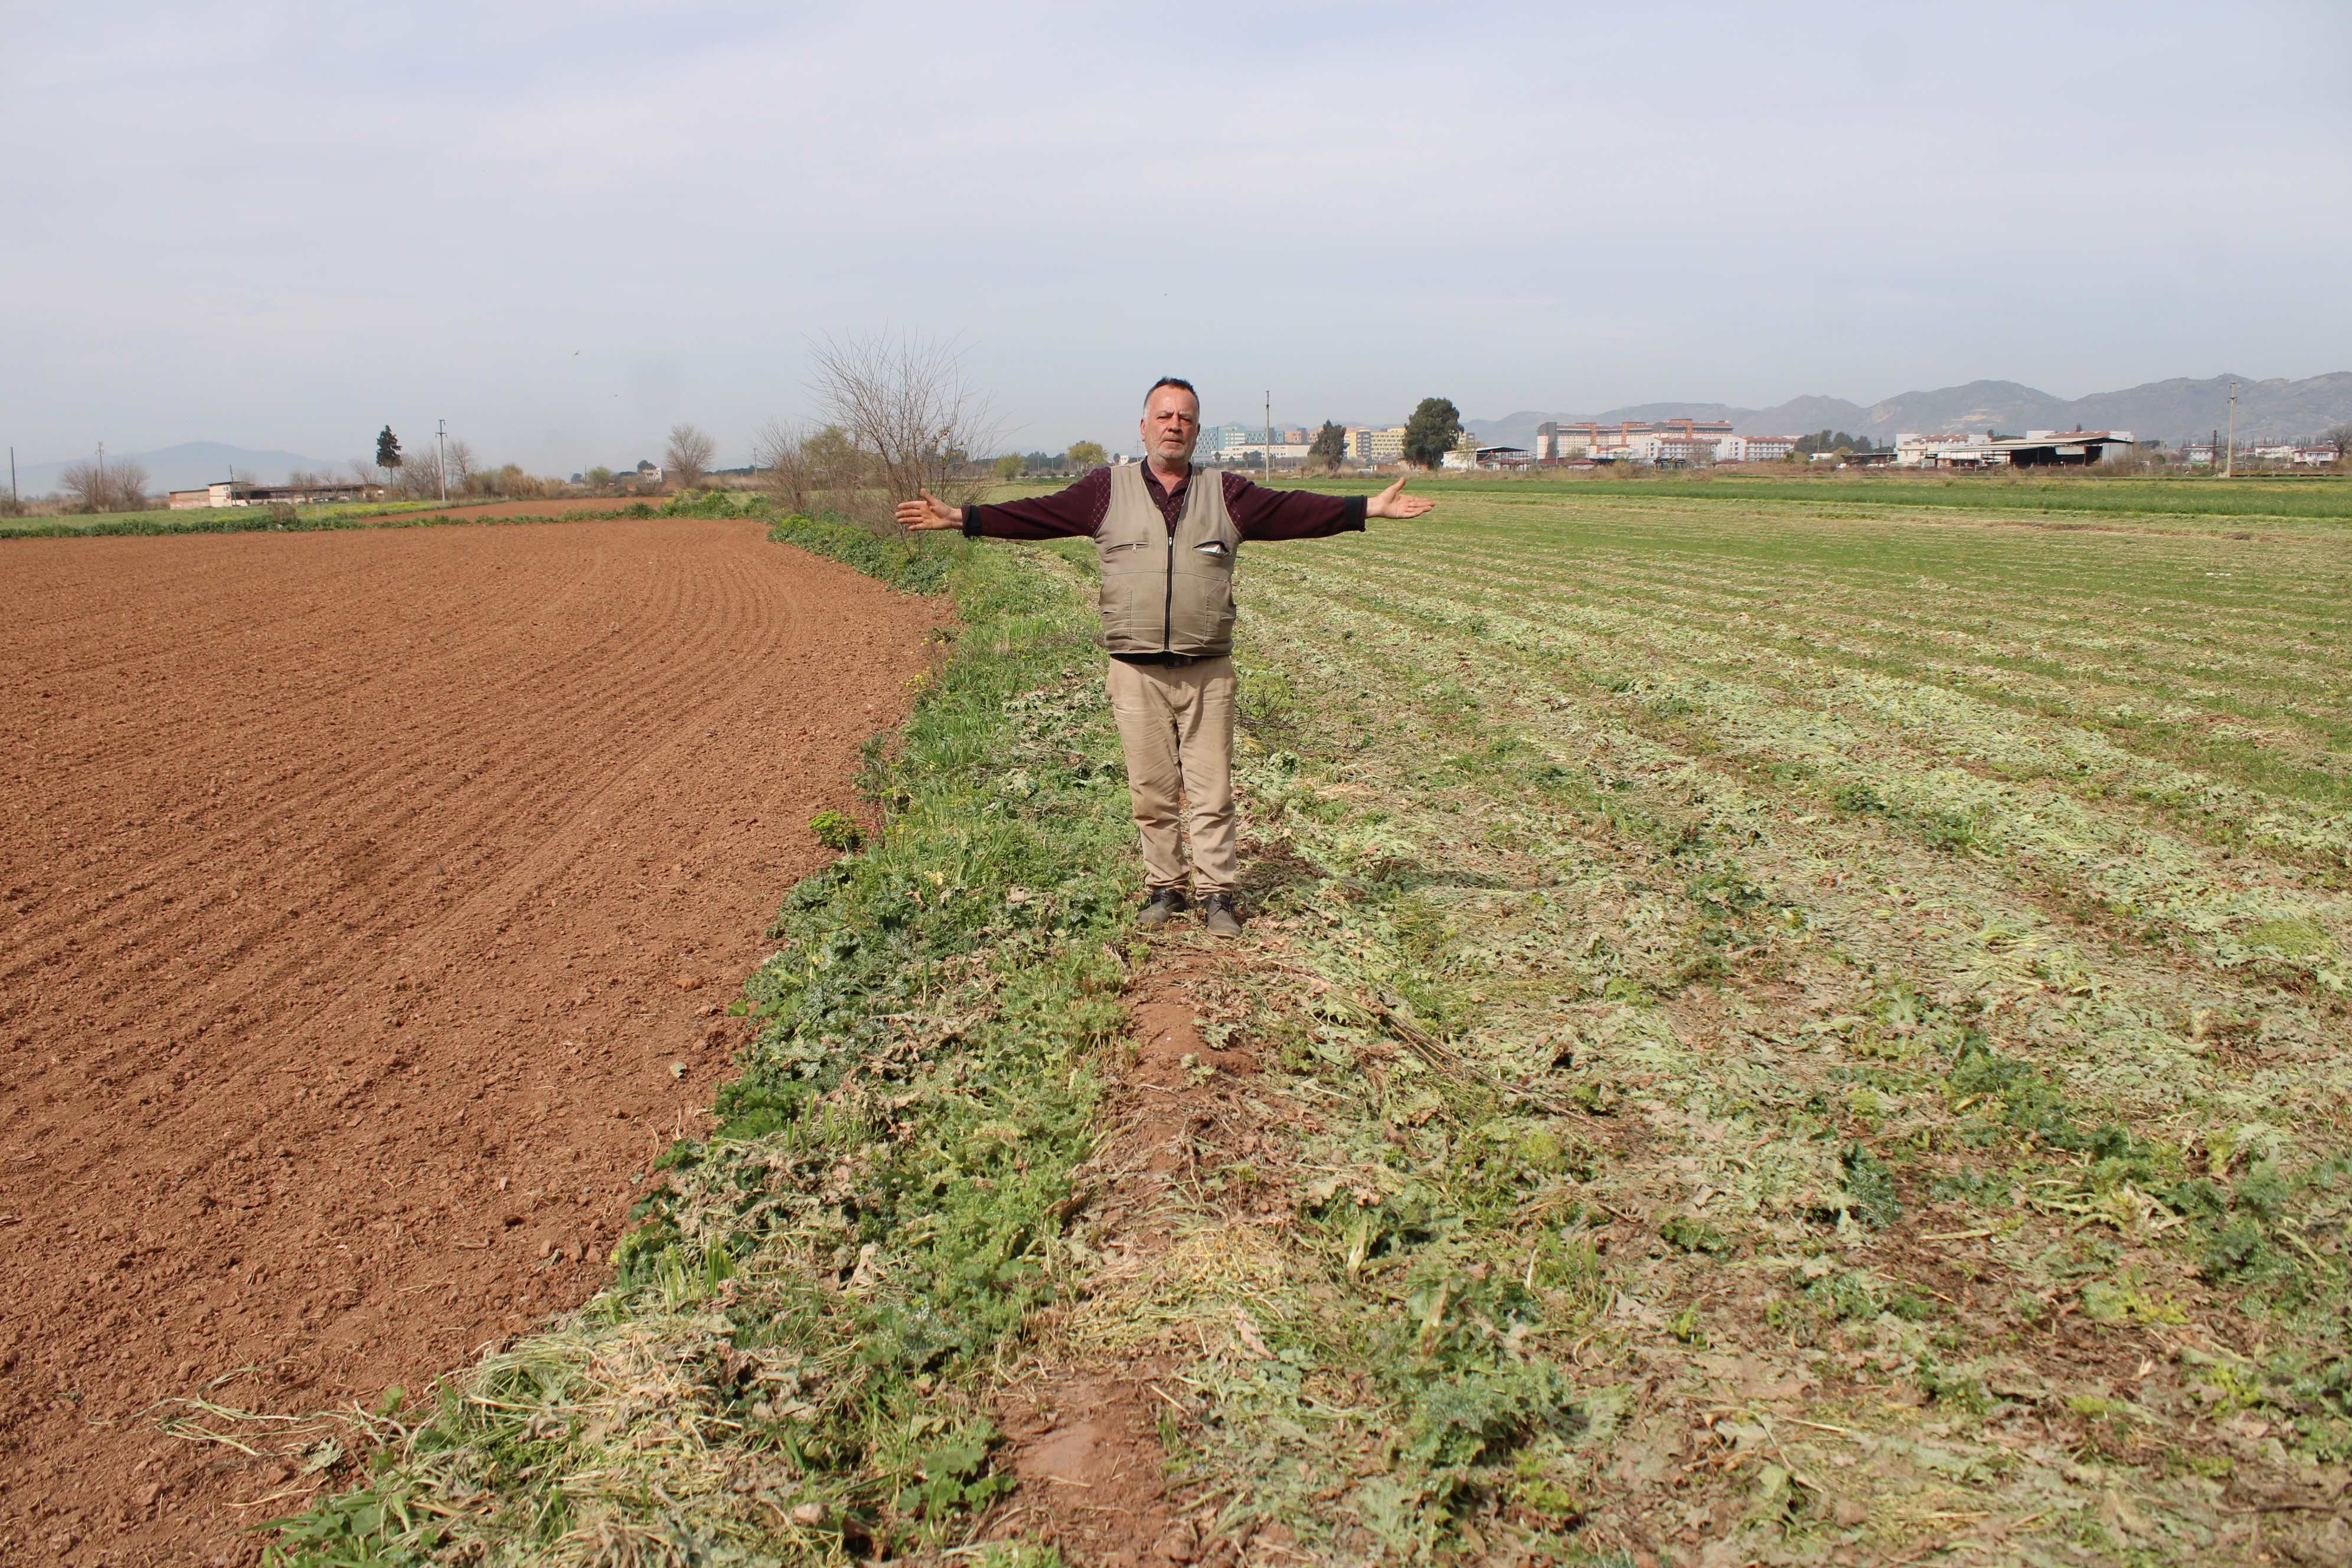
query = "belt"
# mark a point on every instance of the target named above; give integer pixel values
(1175, 659)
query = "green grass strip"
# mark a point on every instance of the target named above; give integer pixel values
(2317, 497)
(338, 515)
(788, 1363)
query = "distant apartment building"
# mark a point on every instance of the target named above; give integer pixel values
(1216, 439)
(1665, 441)
(1372, 445)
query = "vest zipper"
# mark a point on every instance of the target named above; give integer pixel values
(1167, 608)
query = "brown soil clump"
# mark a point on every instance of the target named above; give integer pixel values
(1083, 1433)
(370, 903)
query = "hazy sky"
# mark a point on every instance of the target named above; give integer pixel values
(564, 227)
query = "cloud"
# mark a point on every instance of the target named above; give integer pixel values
(565, 228)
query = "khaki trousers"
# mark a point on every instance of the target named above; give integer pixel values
(1176, 723)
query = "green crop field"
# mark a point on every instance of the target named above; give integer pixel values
(1786, 1036)
(2315, 497)
(1916, 952)
(210, 520)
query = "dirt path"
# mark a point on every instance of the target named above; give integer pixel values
(370, 900)
(1082, 1427)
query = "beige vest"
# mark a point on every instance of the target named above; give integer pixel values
(1163, 593)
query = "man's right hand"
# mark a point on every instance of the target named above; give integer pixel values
(928, 512)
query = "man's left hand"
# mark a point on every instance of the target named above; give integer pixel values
(1393, 502)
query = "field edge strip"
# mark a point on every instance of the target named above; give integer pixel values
(789, 1364)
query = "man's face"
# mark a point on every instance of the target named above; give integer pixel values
(1172, 424)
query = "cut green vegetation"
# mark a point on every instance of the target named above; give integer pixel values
(2319, 498)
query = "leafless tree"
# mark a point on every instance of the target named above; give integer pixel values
(688, 455)
(367, 474)
(419, 475)
(906, 406)
(86, 482)
(462, 463)
(118, 486)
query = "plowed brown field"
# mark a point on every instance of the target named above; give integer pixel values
(370, 901)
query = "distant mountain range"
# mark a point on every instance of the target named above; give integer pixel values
(185, 466)
(2172, 411)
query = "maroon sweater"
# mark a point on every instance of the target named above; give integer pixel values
(1077, 511)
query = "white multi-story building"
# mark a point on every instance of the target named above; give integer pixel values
(1252, 454)
(1372, 445)
(1969, 451)
(1646, 441)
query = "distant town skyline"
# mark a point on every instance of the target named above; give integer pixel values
(566, 239)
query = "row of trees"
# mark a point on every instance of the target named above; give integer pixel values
(1082, 457)
(1833, 441)
(442, 468)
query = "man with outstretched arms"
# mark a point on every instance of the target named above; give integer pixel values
(1167, 534)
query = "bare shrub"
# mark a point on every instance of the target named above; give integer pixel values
(418, 476)
(816, 471)
(118, 486)
(687, 458)
(779, 467)
(907, 410)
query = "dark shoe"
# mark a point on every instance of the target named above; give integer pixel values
(1162, 903)
(1218, 914)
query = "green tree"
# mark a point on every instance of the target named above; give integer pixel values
(1086, 456)
(387, 449)
(1331, 447)
(1010, 465)
(1831, 441)
(1432, 431)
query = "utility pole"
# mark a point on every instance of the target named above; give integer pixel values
(1269, 433)
(102, 469)
(442, 438)
(14, 499)
(2230, 460)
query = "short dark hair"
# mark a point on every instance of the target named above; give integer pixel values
(1171, 381)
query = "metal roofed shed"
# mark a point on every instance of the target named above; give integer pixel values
(2062, 448)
